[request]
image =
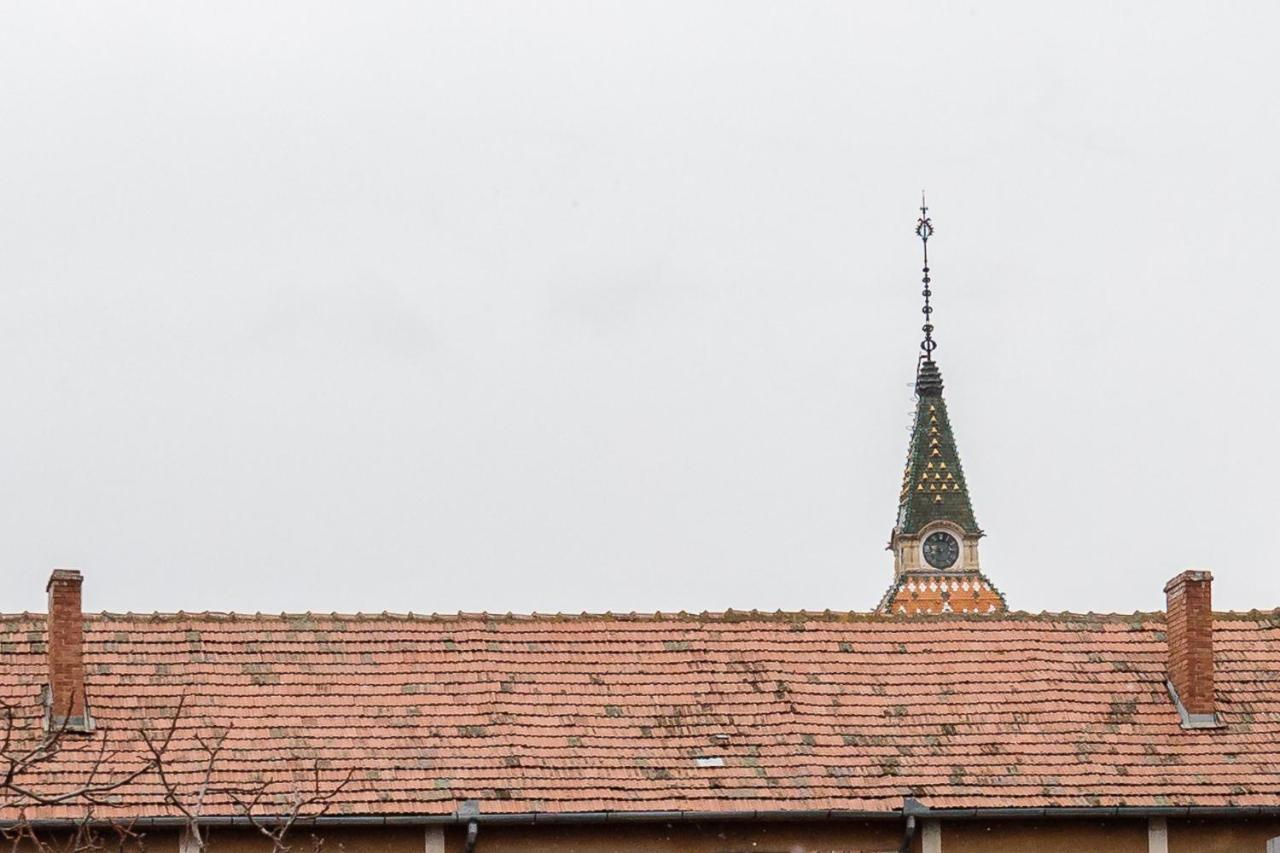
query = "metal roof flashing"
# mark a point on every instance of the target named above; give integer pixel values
(1189, 720)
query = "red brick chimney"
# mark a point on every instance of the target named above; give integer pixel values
(1189, 632)
(66, 703)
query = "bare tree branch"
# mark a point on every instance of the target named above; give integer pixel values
(25, 755)
(17, 762)
(300, 807)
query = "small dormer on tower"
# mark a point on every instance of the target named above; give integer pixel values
(935, 538)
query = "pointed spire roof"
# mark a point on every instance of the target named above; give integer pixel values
(933, 485)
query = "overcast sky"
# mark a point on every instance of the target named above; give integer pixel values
(564, 306)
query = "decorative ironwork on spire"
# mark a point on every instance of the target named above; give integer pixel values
(928, 377)
(924, 230)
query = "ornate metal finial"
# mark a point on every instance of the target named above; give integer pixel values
(924, 230)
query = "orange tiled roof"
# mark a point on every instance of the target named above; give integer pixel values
(919, 592)
(574, 714)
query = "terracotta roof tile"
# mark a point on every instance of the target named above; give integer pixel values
(566, 714)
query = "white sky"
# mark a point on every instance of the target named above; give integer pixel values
(551, 306)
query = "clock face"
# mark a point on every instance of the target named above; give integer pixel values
(941, 550)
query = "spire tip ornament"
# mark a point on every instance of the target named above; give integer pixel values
(924, 230)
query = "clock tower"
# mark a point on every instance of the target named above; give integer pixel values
(935, 539)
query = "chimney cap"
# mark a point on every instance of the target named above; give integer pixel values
(64, 576)
(1189, 576)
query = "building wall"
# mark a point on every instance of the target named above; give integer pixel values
(1222, 836)
(1008, 836)
(737, 837)
(302, 839)
(1045, 836)
(972, 836)
(732, 837)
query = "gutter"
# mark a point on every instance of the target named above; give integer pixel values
(466, 817)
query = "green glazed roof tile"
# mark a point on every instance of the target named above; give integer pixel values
(933, 485)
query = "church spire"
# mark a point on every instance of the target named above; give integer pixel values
(933, 486)
(935, 538)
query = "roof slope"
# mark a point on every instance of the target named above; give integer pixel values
(571, 714)
(933, 485)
